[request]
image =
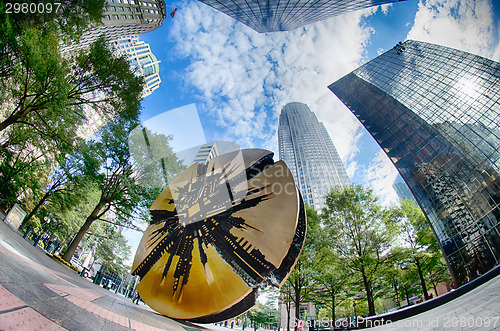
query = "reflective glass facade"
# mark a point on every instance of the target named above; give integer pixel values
(306, 148)
(436, 112)
(403, 192)
(276, 15)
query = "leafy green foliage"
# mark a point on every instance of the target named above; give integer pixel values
(300, 282)
(113, 250)
(48, 98)
(355, 221)
(263, 314)
(118, 177)
(421, 247)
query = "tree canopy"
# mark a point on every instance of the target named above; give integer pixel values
(355, 221)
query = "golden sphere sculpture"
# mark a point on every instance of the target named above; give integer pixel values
(219, 231)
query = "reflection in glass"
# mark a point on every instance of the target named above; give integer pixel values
(440, 97)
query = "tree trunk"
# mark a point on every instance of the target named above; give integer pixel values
(407, 297)
(333, 307)
(14, 117)
(369, 296)
(35, 209)
(297, 304)
(435, 290)
(422, 280)
(288, 308)
(397, 293)
(74, 244)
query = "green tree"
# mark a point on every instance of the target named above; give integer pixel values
(71, 19)
(438, 274)
(421, 247)
(331, 276)
(19, 174)
(301, 280)
(118, 177)
(69, 218)
(355, 221)
(286, 297)
(151, 151)
(392, 272)
(408, 282)
(259, 314)
(113, 250)
(48, 99)
(65, 186)
(47, 91)
(113, 174)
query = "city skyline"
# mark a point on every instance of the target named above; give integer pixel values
(307, 149)
(434, 111)
(240, 79)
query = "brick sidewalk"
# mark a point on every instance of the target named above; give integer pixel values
(38, 293)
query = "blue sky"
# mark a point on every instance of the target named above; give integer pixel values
(239, 79)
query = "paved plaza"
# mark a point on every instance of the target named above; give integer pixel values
(39, 293)
(479, 309)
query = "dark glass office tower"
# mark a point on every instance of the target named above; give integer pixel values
(276, 15)
(403, 192)
(307, 149)
(436, 112)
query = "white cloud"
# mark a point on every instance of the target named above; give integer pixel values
(352, 168)
(466, 25)
(380, 175)
(385, 8)
(244, 78)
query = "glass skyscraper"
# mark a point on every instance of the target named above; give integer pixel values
(276, 15)
(436, 112)
(306, 148)
(403, 192)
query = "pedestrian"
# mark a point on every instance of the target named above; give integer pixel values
(137, 298)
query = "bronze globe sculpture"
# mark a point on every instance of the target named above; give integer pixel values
(219, 231)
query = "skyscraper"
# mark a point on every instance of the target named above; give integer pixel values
(275, 15)
(436, 112)
(206, 152)
(124, 18)
(403, 192)
(306, 148)
(141, 59)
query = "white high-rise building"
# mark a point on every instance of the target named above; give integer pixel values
(307, 149)
(141, 59)
(206, 152)
(122, 18)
